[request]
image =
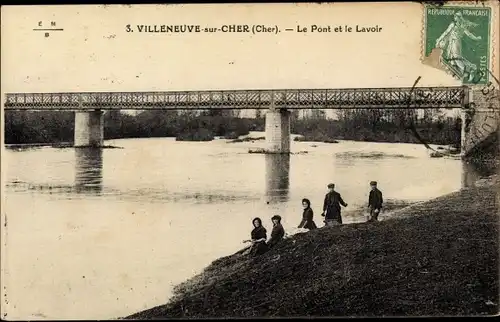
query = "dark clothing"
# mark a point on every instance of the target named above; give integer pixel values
(331, 205)
(375, 199)
(277, 234)
(258, 233)
(307, 219)
(259, 247)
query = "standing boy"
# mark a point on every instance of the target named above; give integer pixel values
(331, 206)
(375, 201)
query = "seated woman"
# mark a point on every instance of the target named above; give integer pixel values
(307, 216)
(277, 233)
(258, 239)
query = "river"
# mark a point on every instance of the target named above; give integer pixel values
(103, 234)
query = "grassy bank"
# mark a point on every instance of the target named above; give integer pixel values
(436, 258)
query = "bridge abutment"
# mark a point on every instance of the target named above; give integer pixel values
(278, 131)
(480, 123)
(89, 129)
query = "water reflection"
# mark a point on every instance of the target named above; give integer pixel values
(277, 177)
(88, 170)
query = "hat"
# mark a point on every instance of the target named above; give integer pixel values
(277, 217)
(373, 183)
(331, 185)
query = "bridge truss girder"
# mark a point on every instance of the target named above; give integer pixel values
(367, 98)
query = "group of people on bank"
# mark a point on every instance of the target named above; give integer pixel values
(331, 213)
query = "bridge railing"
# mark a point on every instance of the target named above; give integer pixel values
(428, 97)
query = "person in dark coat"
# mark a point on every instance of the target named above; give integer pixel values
(331, 207)
(375, 201)
(258, 238)
(277, 233)
(307, 216)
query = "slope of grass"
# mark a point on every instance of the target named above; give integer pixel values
(438, 258)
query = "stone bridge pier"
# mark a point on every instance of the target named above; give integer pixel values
(89, 129)
(480, 124)
(278, 131)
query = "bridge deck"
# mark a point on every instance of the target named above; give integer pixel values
(419, 97)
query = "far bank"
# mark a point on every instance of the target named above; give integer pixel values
(388, 126)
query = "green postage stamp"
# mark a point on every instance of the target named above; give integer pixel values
(463, 36)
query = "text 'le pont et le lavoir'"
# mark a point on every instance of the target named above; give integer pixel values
(258, 28)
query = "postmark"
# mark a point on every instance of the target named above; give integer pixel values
(459, 36)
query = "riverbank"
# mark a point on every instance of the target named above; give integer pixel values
(434, 258)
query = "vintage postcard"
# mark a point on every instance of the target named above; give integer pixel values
(250, 160)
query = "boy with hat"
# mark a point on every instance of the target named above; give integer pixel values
(331, 207)
(375, 201)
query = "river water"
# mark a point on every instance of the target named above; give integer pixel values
(106, 233)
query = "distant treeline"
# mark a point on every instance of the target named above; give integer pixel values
(53, 127)
(361, 125)
(383, 126)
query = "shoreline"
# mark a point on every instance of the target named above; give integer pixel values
(249, 138)
(449, 241)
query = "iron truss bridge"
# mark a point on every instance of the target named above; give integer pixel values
(366, 98)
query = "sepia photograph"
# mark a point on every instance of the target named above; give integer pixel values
(250, 160)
